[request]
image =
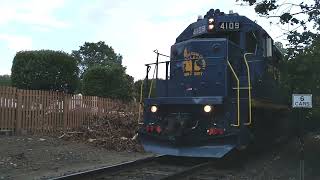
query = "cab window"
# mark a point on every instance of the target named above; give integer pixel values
(251, 41)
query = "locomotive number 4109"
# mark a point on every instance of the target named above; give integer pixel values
(230, 25)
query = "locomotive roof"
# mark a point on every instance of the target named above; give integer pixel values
(219, 17)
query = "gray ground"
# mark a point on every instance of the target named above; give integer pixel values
(283, 162)
(37, 157)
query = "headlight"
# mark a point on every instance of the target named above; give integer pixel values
(211, 26)
(153, 109)
(211, 20)
(207, 108)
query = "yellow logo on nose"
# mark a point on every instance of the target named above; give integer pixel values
(199, 63)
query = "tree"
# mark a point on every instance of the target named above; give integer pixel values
(45, 70)
(303, 16)
(279, 45)
(304, 70)
(5, 80)
(108, 81)
(304, 77)
(93, 54)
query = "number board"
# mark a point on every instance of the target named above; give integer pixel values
(302, 100)
(199, 30)
(229, 26)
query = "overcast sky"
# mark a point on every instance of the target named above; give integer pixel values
(134, 28)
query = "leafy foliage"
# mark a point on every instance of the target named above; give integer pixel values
(93, 54)
(45, 70)
(306, 13)
(304, 77)
(304, 70)
(102, 73)
(5, 80)
(265, 6)
(108, 81)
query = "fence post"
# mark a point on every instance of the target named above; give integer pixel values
(99, 102)
(65, 111)
(19, 112)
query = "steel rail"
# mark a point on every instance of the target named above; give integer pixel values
(106, 169)
(186, 171)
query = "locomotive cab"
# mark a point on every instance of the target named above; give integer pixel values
(204, 105)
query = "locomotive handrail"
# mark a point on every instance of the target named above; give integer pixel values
(238, 95)
(140, 101)
(157, 52)
(180, 60)
(249, 87)
(149, 95)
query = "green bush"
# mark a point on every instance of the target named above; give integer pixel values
(108, 81)
(5, 80)
(45, 70)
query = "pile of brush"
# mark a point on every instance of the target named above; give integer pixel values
(115, 131)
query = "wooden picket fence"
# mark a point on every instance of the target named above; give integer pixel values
(47, 111)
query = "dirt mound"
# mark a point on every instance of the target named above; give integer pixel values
(115, 131)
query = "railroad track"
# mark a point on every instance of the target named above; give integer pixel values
(152, 168)
(169, 167)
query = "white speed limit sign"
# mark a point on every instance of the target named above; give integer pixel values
(302, 100)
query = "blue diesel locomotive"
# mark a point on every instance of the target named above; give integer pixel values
(221, 90)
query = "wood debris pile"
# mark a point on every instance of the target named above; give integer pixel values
(115, 131)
